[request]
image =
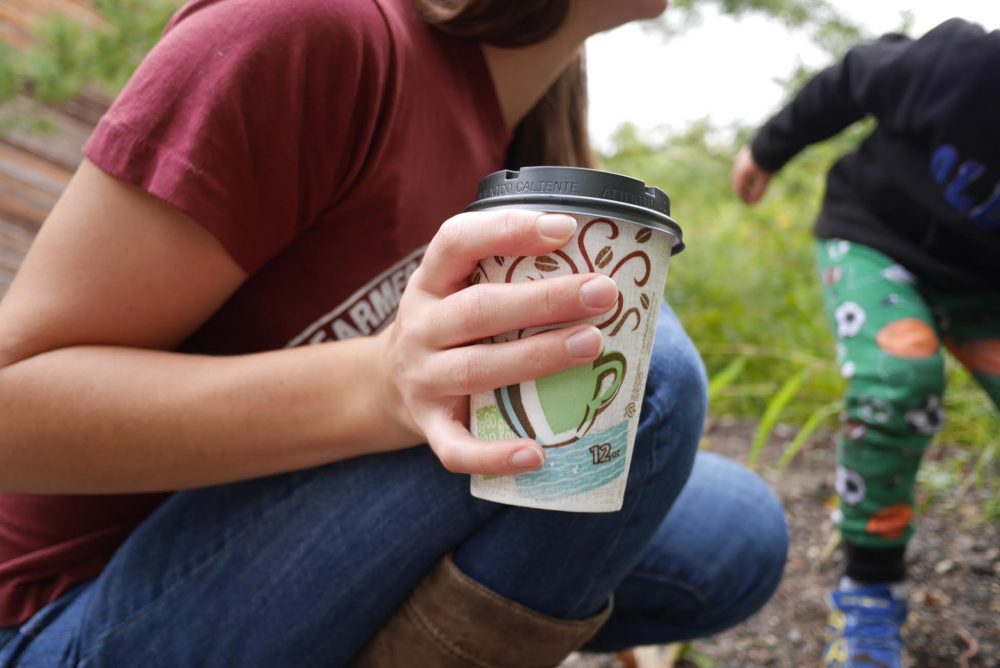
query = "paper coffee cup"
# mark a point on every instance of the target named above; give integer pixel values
(585, 417)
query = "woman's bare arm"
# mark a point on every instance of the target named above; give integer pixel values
(93, 401)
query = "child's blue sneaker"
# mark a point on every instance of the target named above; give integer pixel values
(866, 624)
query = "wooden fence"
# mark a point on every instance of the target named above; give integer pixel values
(36, 166)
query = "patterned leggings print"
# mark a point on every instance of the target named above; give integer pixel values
(888, 331)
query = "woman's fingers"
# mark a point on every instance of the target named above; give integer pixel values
(485, 367)
(433, 362)
(460, 452)
(469, 237)
(488, 309)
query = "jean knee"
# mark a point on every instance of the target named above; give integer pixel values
(715, 561)
(676, 398)
(759, 554)
(673, 415)
(770, 550)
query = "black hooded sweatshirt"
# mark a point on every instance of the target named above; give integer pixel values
(924, 186)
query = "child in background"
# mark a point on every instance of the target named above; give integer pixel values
(908, 242)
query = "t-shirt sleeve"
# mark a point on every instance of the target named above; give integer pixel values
(867, 81)
(251, 116)
(891, 78)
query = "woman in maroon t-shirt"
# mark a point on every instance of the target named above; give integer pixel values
(271, 172)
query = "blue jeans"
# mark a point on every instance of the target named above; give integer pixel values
(302, 569)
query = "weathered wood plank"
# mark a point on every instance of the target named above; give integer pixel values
(30, 11)
(14, 243)
(33, 170)
(35, 167)
(19, 208)
(18, 16)
(61, 145)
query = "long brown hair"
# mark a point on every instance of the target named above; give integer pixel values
(554, 132)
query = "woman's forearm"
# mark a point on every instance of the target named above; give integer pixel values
(104, 419)
(91, 403)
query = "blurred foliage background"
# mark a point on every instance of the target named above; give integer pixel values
(68, 56)
(746, 290)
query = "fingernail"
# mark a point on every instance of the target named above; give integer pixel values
(585, 343)
(556, 225)
(599, 292)
(526, 458)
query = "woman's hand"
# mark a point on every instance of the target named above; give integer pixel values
(749, 179)
(434, 357)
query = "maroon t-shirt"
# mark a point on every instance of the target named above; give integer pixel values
(323, 142)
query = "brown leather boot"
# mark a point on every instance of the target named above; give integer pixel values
(451, 621)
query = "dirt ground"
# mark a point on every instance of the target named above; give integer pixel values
(953, 562)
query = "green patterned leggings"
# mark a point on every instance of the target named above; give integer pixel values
(889, 329)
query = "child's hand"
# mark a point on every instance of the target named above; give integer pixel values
(749, 179)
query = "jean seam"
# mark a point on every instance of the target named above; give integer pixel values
(656, 429)
(657, 416)
(586, 592)
(142, 612)
(693, 592)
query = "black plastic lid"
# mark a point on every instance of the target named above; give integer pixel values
(583, 190)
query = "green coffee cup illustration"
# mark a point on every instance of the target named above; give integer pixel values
(560, 408)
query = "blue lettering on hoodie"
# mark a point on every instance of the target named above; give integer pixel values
(943, 167)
